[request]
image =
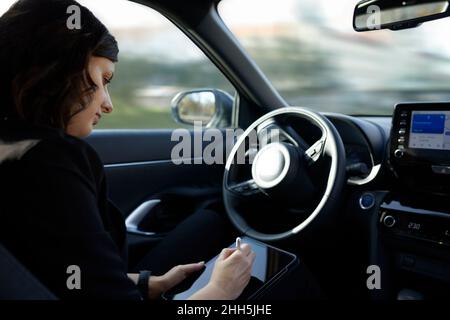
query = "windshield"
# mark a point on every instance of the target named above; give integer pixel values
(310, 52)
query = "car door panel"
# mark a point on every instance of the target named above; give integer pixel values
(138, 167)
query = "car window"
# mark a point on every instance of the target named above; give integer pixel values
(156, 61)
(311, 54)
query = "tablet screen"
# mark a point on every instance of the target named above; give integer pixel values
(269, 263)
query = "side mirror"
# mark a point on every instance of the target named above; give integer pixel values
(212, 107)
(397, 14)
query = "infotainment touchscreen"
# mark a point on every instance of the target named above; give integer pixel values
(419, 151)
(430, 130)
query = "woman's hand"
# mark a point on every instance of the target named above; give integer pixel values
(230, 276)
(160, 284)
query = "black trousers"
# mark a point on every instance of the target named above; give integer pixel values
(202, 236)
(199, 237)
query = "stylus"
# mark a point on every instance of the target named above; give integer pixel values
(238, 243)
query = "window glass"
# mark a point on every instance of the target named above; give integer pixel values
(312, 55)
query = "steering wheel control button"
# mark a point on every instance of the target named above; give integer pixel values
(367, 201)
(315, 151)
(246, 187)
(399, 153)
(389, 221)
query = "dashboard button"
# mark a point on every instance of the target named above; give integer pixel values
(389, 221)
(401, 140)
(399, 153)
(402, 131)
(367, 201)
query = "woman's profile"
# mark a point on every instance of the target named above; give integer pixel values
(54, 207)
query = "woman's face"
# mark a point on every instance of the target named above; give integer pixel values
(82, 123)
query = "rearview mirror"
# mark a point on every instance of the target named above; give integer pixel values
(397, 14)
(211, 107)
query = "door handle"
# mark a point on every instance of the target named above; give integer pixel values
(135, 218)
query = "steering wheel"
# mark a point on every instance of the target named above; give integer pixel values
(279, 169)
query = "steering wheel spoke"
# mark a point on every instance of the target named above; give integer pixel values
(274, 132)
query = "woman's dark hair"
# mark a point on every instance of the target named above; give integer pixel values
(43, 61)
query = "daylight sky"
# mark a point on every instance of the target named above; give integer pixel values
(337, 15)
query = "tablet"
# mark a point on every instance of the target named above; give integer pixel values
(270, 265)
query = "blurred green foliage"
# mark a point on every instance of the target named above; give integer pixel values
(136, 73)
(128, 116)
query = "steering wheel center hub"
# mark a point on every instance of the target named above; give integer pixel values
(271, 165)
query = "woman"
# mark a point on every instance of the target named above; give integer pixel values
(54, 209)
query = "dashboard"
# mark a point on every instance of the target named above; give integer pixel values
(365, 147)
(412, 147)
(402, 207)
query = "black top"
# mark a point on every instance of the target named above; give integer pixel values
(54, 213)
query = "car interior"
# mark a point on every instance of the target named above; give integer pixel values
(342, 192)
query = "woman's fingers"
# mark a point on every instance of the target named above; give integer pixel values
(243, 253)
(192, 267)
(246, 249)
(225, 253)
(178, 273)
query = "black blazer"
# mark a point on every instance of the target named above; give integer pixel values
(54, 213)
